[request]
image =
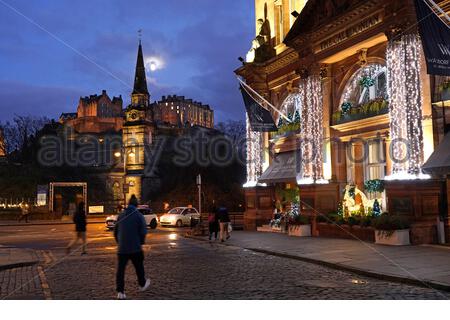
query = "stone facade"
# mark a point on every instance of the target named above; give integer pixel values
(96, 114)
(179, 111)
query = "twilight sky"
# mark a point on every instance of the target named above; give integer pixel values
(52, 52)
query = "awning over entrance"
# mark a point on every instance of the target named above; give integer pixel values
(439, 161)
(282, 169)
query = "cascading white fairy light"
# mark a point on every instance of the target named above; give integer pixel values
(405, 111)
(254, 156)
(305, 142)
(414, 103)
(317, 127)
(311, 143)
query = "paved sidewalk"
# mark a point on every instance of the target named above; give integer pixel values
(48, 222)
(15, 258)
(420, 265)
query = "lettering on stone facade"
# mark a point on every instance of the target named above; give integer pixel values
(350, 32)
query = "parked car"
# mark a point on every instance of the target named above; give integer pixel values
(150, 218)
(180, 216)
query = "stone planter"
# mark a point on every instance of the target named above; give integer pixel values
(392, 238)
(300, 230)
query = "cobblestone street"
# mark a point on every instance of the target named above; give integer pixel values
(189, 269)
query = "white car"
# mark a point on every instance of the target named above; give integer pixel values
(180, 216)
(150, 218)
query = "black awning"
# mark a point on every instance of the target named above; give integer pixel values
(439, 161)
(284, 168)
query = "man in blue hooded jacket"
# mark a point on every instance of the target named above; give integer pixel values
(130, 232)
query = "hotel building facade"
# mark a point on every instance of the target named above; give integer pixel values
(352, 77)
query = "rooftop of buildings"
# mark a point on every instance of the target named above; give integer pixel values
(182, 99)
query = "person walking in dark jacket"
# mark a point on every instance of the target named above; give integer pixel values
(224, 220)
(130, 232)
(79, 219)
(213, 223)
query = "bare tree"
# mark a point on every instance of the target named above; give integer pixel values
(234, 129)
(17, 133)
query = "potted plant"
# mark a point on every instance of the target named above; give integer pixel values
(299, 226)
(391, 230)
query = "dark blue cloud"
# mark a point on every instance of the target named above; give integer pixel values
(199, 40)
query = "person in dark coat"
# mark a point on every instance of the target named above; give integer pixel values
(224, 220)
(213, 223)
(25, 212)
(130, 232)
(79, 219)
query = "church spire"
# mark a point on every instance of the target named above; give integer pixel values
(140, 80)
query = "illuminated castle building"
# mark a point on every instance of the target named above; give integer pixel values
(96, 114)
(178, 111)
(354, 72)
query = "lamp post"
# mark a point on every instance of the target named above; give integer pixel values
(125, 185)
(199, 185)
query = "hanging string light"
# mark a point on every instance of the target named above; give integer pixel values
(311, 144)
(405, 112)
(254, 156)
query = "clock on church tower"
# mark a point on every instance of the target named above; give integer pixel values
(133, 114)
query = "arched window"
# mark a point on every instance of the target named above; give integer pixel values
(291, 108)
(367, 84)
(365, 95)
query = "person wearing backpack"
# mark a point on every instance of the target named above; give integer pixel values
(130, 232)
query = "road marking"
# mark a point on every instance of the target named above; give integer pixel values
(44, 284)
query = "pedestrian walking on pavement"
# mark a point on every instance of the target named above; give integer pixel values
(130, 232)
(79, 218)
(224, 221)
(213, 223)
(24, 212)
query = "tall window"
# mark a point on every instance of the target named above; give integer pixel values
(350, 157)
(280, 24)
(376, 160)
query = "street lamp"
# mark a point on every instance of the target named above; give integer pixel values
(125, 186)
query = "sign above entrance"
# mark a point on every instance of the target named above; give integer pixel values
(350, 32)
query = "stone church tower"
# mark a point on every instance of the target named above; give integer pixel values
(138, 131)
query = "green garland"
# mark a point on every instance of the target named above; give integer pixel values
(373, 186)
(367, 82)
(345, 107)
